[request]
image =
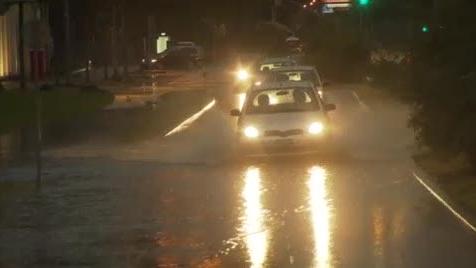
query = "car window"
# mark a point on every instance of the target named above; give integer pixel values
(297, 76)
(282, 100)
(275, 65)
(266, 67)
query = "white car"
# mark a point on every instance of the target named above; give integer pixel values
(298, 73)
(283, 117)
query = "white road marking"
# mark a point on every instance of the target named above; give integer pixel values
(82, 70)
(185, 124)
(442, 201)
(361, 103)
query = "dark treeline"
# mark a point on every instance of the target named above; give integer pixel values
(440, 81)
(94, 24)
(444, 81)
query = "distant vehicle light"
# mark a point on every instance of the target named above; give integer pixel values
(143, 60)
(251, 132)
(316, 128)
(242, 75)
(153, 60)
(258, 83)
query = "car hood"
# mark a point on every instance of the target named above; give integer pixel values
(282, 121)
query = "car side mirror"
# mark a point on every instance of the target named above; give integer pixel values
(330, 107)
(235, 112)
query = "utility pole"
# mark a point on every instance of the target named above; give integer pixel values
(39, 139)
(361, 21)
(274, 10)
(124, 40)
(148, 39)
(88, 57)
(364, 19)
(67, 42)
(114, 39)
(435, 14)
(21, 44)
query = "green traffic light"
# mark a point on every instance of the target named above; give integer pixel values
(364, 2)
(425, 28)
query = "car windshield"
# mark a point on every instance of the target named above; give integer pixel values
(281, 101)
(280, 76)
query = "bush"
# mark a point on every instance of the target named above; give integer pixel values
(444, 113)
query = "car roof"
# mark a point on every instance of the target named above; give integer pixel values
(294, 68)
(284, 84)
(276, 60)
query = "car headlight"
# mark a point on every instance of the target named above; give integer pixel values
(242, 75)
(251, 132)
(316, 128)
(153, 60)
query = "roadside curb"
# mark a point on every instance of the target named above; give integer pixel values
(443, 198)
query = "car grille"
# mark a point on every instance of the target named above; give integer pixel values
(287, 133)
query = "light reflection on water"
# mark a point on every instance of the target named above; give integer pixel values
(321, 216)
(253, 228)
(241, 100)
(378, 227)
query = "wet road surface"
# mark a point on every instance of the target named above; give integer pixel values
(177, 203)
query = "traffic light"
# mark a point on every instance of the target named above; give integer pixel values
(425, 28)
(364, 2)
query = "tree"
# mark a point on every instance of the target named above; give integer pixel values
(445, 79)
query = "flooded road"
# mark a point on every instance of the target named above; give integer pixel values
(176, 202)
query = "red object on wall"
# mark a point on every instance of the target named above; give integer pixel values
(38, 65)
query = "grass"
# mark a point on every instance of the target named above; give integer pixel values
(454, 175)
(18, 108)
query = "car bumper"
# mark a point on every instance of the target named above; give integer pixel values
(290, 145)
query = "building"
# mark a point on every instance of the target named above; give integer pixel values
(34, 18)
(9, 37)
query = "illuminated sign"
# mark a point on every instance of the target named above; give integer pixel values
(330, 6)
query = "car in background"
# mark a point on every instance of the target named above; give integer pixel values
(247, 76)
(183, 55)
(284, 117)
(298, 73)
(273, 63)
(262, 70)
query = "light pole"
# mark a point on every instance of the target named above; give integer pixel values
(67, 41)
(363, 6)
(274, 10)
(21, 45)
